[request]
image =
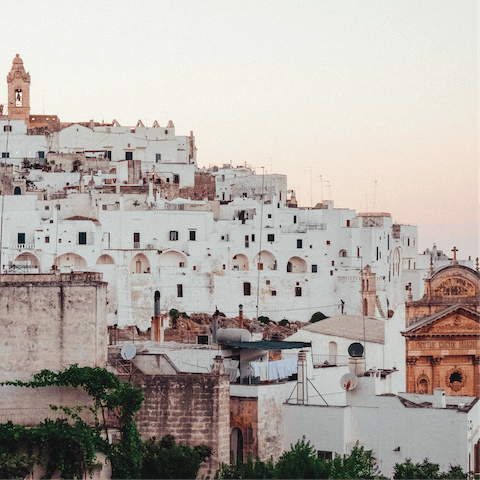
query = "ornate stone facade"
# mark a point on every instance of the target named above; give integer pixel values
(442, 334)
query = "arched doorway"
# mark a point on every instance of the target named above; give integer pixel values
(17, 191)
(236, 445)
(140, 264)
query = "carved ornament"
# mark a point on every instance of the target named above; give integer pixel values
(454, 287)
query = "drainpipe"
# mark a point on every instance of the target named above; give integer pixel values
(302, 394)
(240, 315)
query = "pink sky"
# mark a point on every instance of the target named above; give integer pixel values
(352, 91)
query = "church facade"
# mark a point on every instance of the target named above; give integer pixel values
(442, 334)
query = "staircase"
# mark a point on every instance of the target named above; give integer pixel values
(379, 306)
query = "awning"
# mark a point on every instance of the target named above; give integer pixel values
(266, 345)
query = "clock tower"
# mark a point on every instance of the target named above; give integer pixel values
(18, 92)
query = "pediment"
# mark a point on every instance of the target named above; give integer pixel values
(458, 321)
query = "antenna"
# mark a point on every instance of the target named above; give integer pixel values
(374, 194)
(128, 351)
(349, 381)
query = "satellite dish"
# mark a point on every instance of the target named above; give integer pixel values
(128, 351)
(355, 350)
(348, 381)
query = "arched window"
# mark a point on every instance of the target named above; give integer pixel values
(342, 253)
(289, 267)
(17, 191)
(138, 266)
(332, 353)
(365, 307)
(236, 445)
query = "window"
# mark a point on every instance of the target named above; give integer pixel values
(343, 253)
(5, 154)
(324, 454)
(21, 238)
(58, 207)
(82, 238)
(270, 237)
(246, 241)
(314, 269)
(7, 128)
(192, 235)
(176, 179)
(179, 290)
(260, 266)
(274, 293)
(253, 237)
(173, 235)
(128, 155)
(136, 240)
(181, 264)
(41, 154)
(331, 272)
(47, 207)
(104, 207)
(269, 215)
(59, 240)
(348, 223)
(328, 242)
(298, 291)
(294, 219)
(299, 243)
(267, 282)
(47, 239)
(246, 288)
(158, 157)
(333, 263)
(108, 155)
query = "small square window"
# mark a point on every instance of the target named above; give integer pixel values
(267, 282)
(298, 291)
(181, 264)
(270, 237)
(158, 157)
(104, 207)
(299, 243)
(47, 207)
(246, 288)
(331, 272)
(7, 128)
(192, 235)
(194, 267)
(82, 238)
(179, 290)
(274, 293)
(47, 239)
(314, 269)
(128, 155)
(253, 237)
(173, 235)
(51, 221)
(328, 242)
(269, 215)
(59, 240)
(333, 263)
(224, 266)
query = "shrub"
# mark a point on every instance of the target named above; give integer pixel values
(264, 320)
(284, 322)
(316, 317)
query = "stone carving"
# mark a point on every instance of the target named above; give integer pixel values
(454, 287)
(455, 379)
(436, 361)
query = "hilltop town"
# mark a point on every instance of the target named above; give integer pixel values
(242, 305)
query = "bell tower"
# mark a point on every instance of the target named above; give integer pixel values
(18, 92)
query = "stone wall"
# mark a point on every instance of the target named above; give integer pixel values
(192, 407)
(244, 416)
(50, 321)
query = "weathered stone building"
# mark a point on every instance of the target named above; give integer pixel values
(442, 334)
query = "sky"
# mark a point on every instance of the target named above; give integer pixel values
(372, 104)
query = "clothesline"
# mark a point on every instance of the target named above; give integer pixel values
(275, 370)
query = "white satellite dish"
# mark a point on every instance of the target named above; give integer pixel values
(128, 351)
(349, 381)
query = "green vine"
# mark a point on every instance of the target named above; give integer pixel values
(70, 445)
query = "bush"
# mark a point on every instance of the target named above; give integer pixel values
(264, 320)
(166, 459)
(408, 469)
(174, 314)
(316, 317)
(284, 322)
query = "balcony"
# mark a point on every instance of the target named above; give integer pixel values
(329, 360)
(22, 246)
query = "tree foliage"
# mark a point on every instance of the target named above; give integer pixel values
(316, 317)
(425, 469)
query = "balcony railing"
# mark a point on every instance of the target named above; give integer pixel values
(22, 246)
(136, 244)
(329, 360)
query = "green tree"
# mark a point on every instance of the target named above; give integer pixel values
(174, 314)
(316, 317)
(425, 469)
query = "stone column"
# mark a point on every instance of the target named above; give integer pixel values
(411, 362)
(436, 362)
(476, 379)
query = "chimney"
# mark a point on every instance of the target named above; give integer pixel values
(302, 394)
(439, 398)
(218, 367)
(240, 315)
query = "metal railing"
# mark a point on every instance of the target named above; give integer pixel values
(22, 246)
(329, 360)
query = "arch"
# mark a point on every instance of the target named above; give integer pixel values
(396, 262)
(423, 384)
(29, 260)
(76, 165)
(140, 264)
(105, 260)
(332, 353)
(342, 253)
(240, 262)
(236, 445)
(17, 191)
(172, 258)
(297, 265)
(113, 170)
(70, 261)
(365, 307)
(265, 260)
